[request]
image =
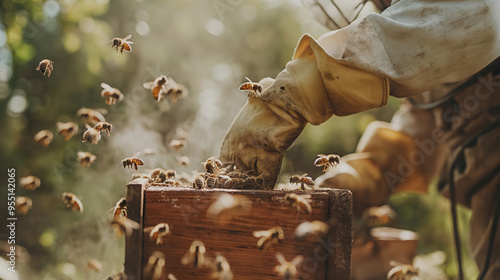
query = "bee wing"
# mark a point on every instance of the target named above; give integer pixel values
(248, 79)
(297, 260)
(321, 155)
(128, 37)
(148, 85)
(136, 154)
(106, 86)
(77, 204)
(280, 258)
(303, 175)
(127, 46)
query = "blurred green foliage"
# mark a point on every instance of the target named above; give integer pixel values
(208, 48)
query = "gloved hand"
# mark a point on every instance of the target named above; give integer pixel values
(311, 88)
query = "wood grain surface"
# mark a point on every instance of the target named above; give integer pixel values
(184, 209)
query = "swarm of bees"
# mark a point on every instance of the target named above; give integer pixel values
(121, 44)
(72, 202)
(327, 160)
(254, 89)
(44, 137)
(23, 204)
(30, 183)
(228, 206)
(46, 66)
(161, 175)
(165, 86)
(111, 94)
(195, 257)
(67, 129)
(302, 203)
(86, 159)
(402, 272)
(133, 161)
(287, 270)
(268, 238)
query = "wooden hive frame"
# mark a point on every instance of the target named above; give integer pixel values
(184, 209)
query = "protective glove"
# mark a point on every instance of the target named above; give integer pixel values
(311, 88)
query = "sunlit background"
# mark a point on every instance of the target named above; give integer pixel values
(210, 47)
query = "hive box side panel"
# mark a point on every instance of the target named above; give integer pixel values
(133, 243)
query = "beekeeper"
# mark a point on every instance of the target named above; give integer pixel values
(441, 57)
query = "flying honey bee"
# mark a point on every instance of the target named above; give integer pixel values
(327, 160)
(158, 232)
(106, 126)
(94, 265)
(177, 144)
(72, 202)
(199, 182)
(311, 231)
(148, 151)
(120, 209)
(287, 270)
(268, 238)
(158, 87)
(111, 94)
(228, 206)
(121, 44)
(254, 89)
(44, 137)
(90, 116)
(195, 257)
(91, 135)
(30, 183)
(183, 161)
(221, 268)
(302, 180)
(154, 268)
(379, 216)
(123, 226)
(67, 129)
(212, 165)
(300, 202)
(23, 204)
(133, 161)
(174, 90)
(46, 66)
(402, 272)
(85, 158)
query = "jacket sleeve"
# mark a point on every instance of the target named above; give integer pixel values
(419, 44)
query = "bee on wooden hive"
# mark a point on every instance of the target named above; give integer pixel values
(86, 159)
(132, 161)
(268, 238)
(121, 44)
(311, 231)
(46, 66)
(158, 87)
(91, 135)
(44, 137)
(154, 268)
(72, 202)
(300, 202)
(287, 270)
(123, 226)
(23, 204)
(199, 182)
(211, 181)
(67, 129)
(221, 268)
(228, 206)
(30, 183)
(212, 165)
(120, 209)
(111, 94)
(160, 175)
(233, 183)
(327, 160)
(172, 182)
(106, 126)
(177, 144)
(402, 272)
(158, 232)
(90, 116)
(94, 265)
(303, 180)
(254, 89)
(195, 257)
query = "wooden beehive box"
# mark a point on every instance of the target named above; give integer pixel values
(184, 209)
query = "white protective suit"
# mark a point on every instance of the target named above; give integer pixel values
(415, 48)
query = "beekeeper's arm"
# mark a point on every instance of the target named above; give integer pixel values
(409, 48)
